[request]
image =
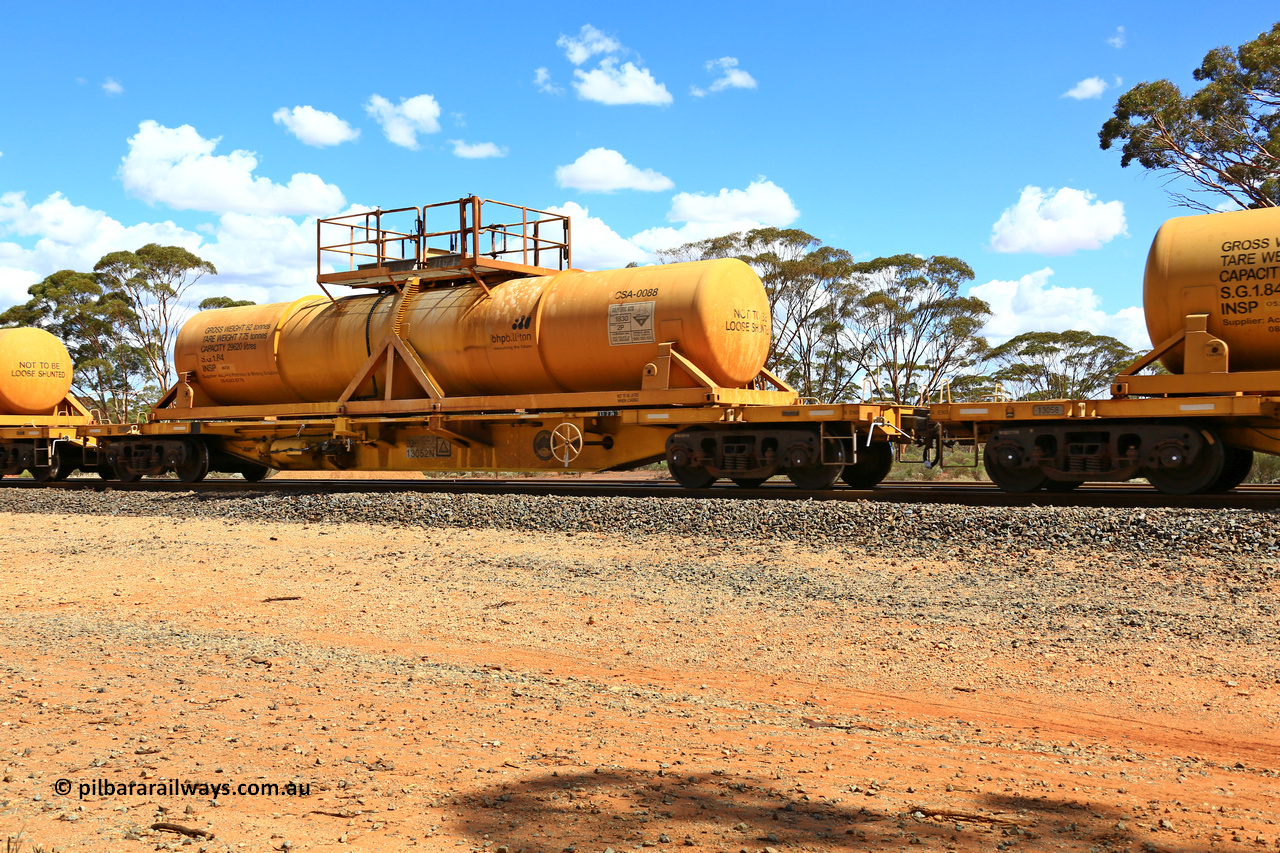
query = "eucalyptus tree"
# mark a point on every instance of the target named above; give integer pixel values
(1224, 137)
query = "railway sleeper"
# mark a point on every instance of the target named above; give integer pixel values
(1177, 458)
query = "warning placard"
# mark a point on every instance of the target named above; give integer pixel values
(631, 323)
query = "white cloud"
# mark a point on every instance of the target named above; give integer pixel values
(314, 127)
(67, 236)
(111, 87)
(1057, 223)
(731, 77)
(1117, 40)
(14, 283)
(403, 123)
(266, 258)
(605, 170)
(271, 257)
(587, 43)
(476, 150)
(1090, 87)
(1032, 304)
(542, 79)
(761, 203)
(596, 246)
(177, 167)
(763, 200)
(609, 84)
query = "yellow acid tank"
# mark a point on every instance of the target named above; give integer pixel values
(573, 331)
(1226, 265)
(35, 372)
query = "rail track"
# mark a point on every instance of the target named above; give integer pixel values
(1120, 495)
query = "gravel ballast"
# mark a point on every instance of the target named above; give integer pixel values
(927, 530)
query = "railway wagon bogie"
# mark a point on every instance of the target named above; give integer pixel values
(813, 457)
(1177, 457)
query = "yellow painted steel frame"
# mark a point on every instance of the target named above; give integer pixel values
(541, 441)
(64, 421)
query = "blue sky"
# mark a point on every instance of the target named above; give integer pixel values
(923, 128)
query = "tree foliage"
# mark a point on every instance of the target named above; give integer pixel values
(155, 279)
(118, 323)
(810, 299)
(223, 302)
(898, 324)
(109, 372)
(912, 330)
(1225, 137)
(1059, 365)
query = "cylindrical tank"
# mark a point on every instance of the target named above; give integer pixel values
(1226, 265)
(573, 331)
(35, 372)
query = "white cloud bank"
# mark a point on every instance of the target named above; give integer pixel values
(476, 150)
(1090, 87)
(111, 87)
(315, 127)
(1057, 223)
(597, 246)
(401, 123)
(731, 77)
(68, 236)
(607, 83)
(613, 85)
(176, 166)
(542, 79)
(587, 43)
(604, 170)
(762, 203)
(1117, 40)
(1032, 304)
(266, 258)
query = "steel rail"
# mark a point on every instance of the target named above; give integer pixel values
(1118, 495)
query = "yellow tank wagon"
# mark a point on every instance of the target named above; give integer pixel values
(39, 417)
(1212, 301)
(464, 354)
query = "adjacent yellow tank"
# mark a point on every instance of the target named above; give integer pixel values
(573, 331)
(35, 372)
(1226, 265)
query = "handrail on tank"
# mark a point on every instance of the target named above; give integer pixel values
(466, 240)
(383, 238)
(368, 237)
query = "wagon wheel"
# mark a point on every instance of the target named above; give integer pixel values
(195, 466)
(566, 443)
(57, 469)
(1196, 478)
(122, 473)
(681, 466)
(1010, 478)
(1235, 468)
(817, 476)
(872, 465)
(255, 473)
